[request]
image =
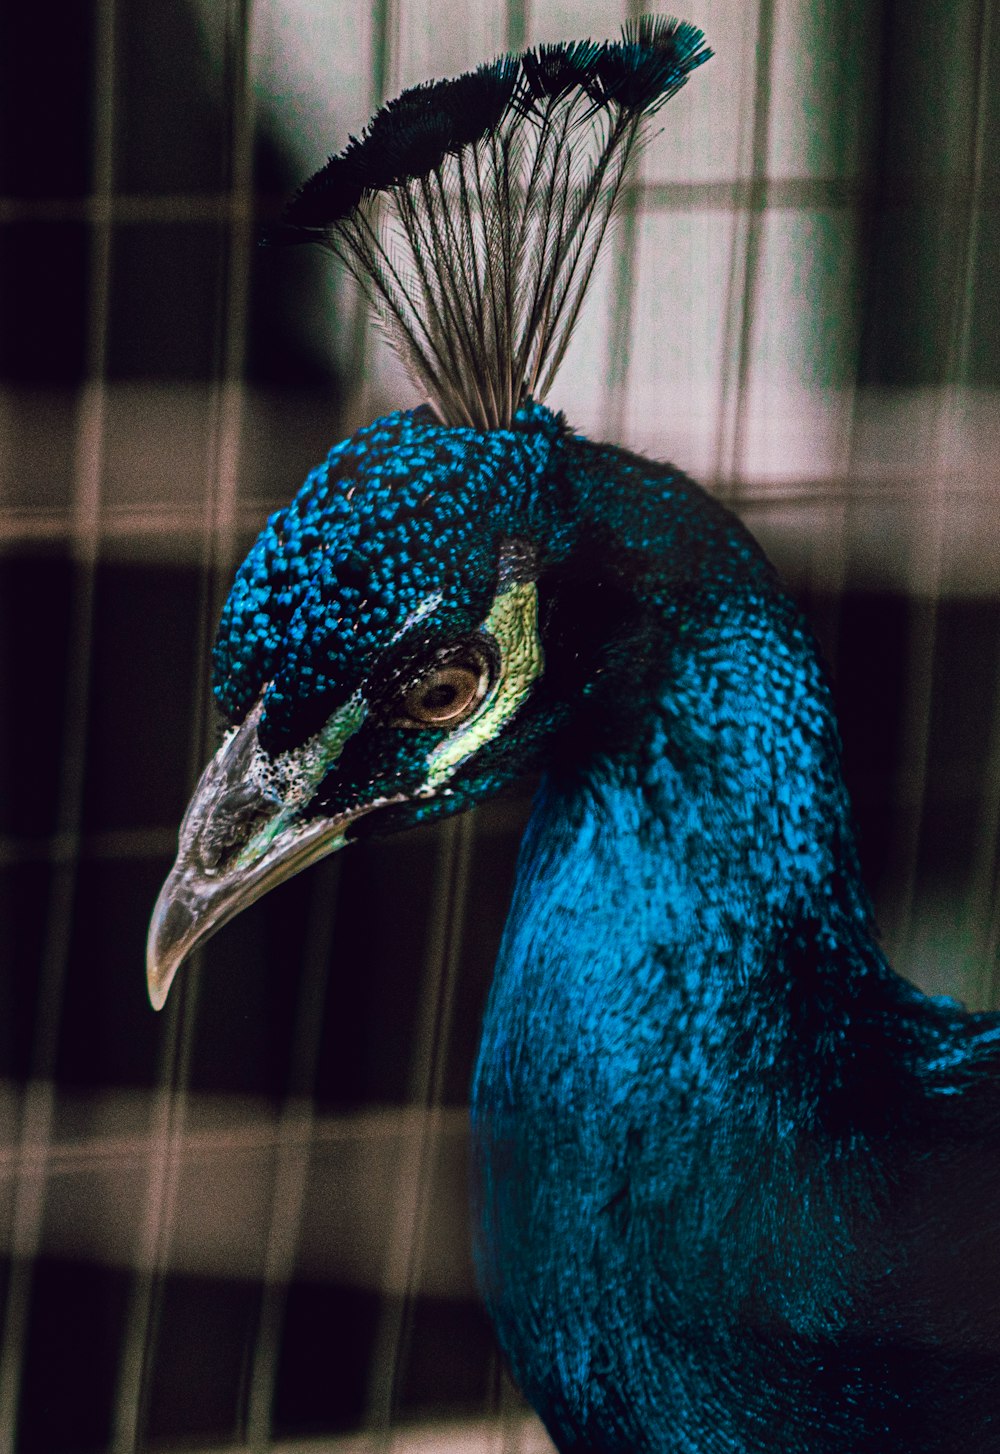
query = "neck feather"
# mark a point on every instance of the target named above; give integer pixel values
(693, 1043)
(688, 892)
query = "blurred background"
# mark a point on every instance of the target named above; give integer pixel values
(240, 1225)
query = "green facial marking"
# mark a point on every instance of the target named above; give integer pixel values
(316, 757)
(513, 622)
(291, 780)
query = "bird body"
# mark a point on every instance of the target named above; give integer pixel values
(716, 1136)
(736, 1183)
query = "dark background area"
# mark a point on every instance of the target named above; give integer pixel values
(242, 1222)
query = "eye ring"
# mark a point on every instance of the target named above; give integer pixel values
(447, 691)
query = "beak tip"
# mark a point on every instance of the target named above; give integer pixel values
(157, 992)
(166, 944)
(197, 899)
(159, 972)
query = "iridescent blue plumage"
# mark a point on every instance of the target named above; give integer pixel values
(377, 530)
(718, 1139)
(715, 1135)
(736, 1183)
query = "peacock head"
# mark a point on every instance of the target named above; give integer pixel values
(380, 661)
(382, 656)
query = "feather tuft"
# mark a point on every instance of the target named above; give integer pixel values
(650, 65)
(471, 211)
(325, 198)
(552, 71)
(406, 139)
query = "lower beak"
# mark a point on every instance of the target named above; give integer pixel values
(240, 837)
(194, 903)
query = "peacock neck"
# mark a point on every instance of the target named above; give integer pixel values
(691, 1030)
(674, 1051)
(691, 858)
(667, 1056)
(680, 902)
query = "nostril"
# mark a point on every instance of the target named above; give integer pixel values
(235, 819)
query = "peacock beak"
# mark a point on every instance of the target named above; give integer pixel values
(243, 833)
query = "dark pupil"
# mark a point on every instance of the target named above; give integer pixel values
(439, 695)
(447, 693)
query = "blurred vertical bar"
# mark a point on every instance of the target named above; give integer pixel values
(294, 1129)
(920, 245)
(983, 900)
(622, 247)
(431, 1039)
(39, 1092)
(744, 278)
(218, 546)
(692, 250)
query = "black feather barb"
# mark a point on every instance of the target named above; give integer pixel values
(471, 211)
(650, 65)
(553, 71)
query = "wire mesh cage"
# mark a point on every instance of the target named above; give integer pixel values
(242, 1224)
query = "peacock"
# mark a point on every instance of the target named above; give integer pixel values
(736, 1184)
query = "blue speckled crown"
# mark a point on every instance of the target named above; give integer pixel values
(392, 520)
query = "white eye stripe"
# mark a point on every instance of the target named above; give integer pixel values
(426, 608)
(292, 777)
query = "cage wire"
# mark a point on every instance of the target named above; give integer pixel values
(241, 1225)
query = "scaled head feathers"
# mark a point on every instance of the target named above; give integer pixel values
(398, 532)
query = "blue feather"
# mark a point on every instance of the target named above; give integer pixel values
(737, 1184)
(717, 1140)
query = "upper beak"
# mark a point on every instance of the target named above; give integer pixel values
(242, 834)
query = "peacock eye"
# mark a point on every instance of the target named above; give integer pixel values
(447, 692)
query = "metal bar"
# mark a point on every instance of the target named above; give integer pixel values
(39, 1095)
(218, 526)
(296, 1138)
(406, 1245)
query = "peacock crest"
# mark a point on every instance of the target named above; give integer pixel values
(471, 211)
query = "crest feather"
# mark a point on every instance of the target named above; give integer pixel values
(471, 211)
